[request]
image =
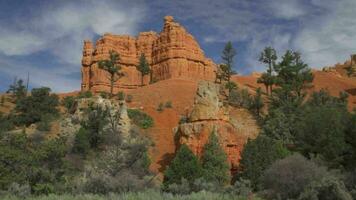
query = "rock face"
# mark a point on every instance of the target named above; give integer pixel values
(173, 53)
(209, 115)
(341, 69)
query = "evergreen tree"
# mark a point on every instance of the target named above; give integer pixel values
(228, 55)
(214, 162)
(293, 74)
(143, 67)
(259, 154)
(269, 57)
(185, 165)
(257, 102)
(18, 90)
(41, 105)
(97, 120)
(113, 68)
(81, 142)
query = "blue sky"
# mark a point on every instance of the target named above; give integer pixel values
(45, 38)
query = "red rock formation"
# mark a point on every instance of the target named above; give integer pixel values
(210, 115)
(173, 53)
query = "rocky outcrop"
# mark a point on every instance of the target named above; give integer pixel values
(208, 116)
(346, 69)
(173, 53)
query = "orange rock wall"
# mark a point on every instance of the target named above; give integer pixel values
(173, 53)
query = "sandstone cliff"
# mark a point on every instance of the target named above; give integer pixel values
(209, 115)
(173, 53)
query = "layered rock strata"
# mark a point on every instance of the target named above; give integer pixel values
(210, 115)
(173, 53)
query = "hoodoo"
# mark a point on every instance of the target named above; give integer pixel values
(171, 54)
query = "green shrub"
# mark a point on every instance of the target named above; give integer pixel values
(81, 142)
(44, 125)
(295, 177)
(257, 155)
(86, 94)
(160, 107)
(129, 98)
(168, 104)
(140, 118)
(121, 95)
(104, 95)
(69, 102)
(185, 166)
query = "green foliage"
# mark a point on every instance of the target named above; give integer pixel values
(121, 95)
(257, 155)
(160, 107)
(69, 103)
(44, 124)
(97, 119)
(227, 56)
(86, 94)
(143, 67)
(168, 104)
(23, 162)
(141, 195)
(322, 132)
(269, 57)
(230, 86)
(214, 162)
(185, 165)
(140, 118)
(41, 104)
(350, 139)
(81, 142)
(293, 75)
(257, 104)
(129, 98)
(6, 122)
(295, 177)
(18, 90)
(240, 98)
(113, 68)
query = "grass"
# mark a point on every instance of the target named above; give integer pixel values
(146, 195)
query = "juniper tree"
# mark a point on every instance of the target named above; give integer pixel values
(185, 165)
(214, 162)
(113, 68)
(143, 67)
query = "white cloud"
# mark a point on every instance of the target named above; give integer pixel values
(287, 9)
(61, 29)
(330, 38)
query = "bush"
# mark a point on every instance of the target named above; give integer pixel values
(86, 94)
(69, 102)
(240, 98)
(168, 104)
(81, 142)
(121, 95)
(44, 125)
(41, 104)
(104, 95)
(129, 98)
(160, 107)
(294, 175)
(21, 191)
(140, 118)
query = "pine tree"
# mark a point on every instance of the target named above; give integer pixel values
(18, 90)
(113, 68)
(214, 162)
(293, 75)
(185, 165)
(269, 57)
(257, 102)
(228, 55)
(143, 67)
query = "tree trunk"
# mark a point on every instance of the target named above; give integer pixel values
(142, 79)
(266, 89)
(111, 85)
